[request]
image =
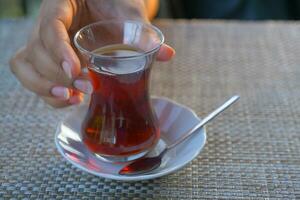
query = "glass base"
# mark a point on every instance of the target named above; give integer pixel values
(111, 159)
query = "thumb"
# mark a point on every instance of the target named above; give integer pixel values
(55, 20)
(165, 53)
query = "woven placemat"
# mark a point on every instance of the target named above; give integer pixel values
(253, 149)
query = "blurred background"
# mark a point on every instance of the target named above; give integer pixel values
(19, 8)
(207, 9)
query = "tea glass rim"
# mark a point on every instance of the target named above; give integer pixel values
(143, 54)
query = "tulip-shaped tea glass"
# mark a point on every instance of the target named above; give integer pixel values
(120, 124)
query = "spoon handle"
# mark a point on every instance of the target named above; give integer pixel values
(206, 120)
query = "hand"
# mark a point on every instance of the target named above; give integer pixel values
(48, 64)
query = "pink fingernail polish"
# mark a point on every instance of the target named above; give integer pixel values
(84, 86)
(67, 68)
(60, 92)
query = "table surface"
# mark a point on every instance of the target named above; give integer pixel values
(252, 150)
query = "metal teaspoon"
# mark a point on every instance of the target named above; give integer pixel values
(147, 164)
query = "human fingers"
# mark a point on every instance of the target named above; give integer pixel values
(32, 80)
(58, 103)
(56, 96)
(45, 65)
(54, 36)
(49, 69)
(165, 53)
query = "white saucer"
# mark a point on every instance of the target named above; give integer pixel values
(174, 121)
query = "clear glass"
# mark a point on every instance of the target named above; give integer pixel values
(120, 124)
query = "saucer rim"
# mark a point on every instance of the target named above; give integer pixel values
(141, 177)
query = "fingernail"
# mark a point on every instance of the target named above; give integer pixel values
(61, 92)
(84, 86)
(67, 68)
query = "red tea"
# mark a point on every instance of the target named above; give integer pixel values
(120, 120)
